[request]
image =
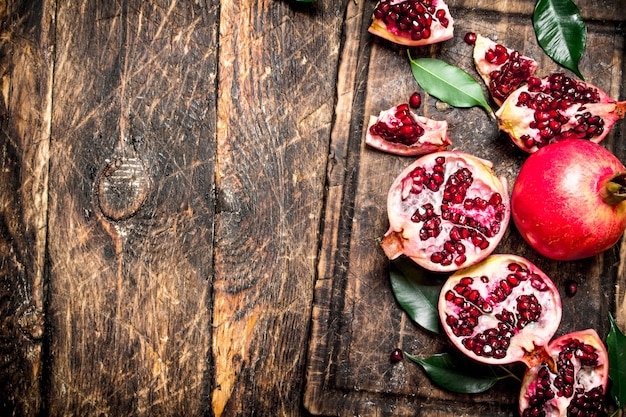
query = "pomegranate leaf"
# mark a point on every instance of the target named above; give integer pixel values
(616, 345)
(448, 83)
(416, 293)
(561, 32)
(457, 374)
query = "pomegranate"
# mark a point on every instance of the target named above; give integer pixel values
(502, 69)
(499, 310)
(446, 210)
(555, 108)
(568, 200)
(400, 131)
(571, 379)
(412, 22)
(504, 310)
(415, 100)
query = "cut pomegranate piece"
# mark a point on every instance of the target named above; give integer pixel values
(400, 131)
(447, 210)
(499, 310)
(502, 69)
(555, 108)
(412, 22)
(570, 381)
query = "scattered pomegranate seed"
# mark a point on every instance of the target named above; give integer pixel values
(571, 287)
(396, 356)
(470, 38)
(415, 100)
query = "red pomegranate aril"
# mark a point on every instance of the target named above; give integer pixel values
(571, 287)
(415, 100)
(396, 355)
(470, 38)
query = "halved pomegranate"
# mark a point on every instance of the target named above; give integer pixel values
(570, 381)
(502, 69)
(400, 131)
(500, 310)
(412, 22)
(447, 210)
(555, 108)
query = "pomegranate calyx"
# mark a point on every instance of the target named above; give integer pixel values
(392, 244)
(614, 190)
(538, 355)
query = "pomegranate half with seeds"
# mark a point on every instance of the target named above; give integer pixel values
(504, 310)
(568, 201)
(447, 210)
(502, 69)
(556, 108)
(499, 310)
(400, 131)
(412, 22)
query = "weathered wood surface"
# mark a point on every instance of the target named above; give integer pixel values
(189, 217)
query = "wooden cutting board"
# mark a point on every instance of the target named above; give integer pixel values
(356, 320)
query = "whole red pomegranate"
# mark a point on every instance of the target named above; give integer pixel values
(504, 310)
(502, 69)
(412, 22)
(400, 131)
(556, 108)
(568, 200)
(446, 210)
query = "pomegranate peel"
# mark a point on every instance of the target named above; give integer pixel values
(447, 210)
(412, 22)
(401, 132)
(581, 190)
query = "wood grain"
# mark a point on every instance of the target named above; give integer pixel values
(131, 208)
(26, 49)
(277, 74)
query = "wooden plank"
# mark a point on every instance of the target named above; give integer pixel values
(278, 68)
(355, 320)
(26, 50)
(132, 207)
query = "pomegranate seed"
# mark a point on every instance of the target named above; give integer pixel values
(470, 38)
(415, 100)
(571, 287)
(396, 356)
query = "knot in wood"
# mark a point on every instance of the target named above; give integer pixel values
(123, 187)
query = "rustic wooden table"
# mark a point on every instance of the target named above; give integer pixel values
(189, 214)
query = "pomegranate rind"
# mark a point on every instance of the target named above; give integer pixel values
(435, 137)
(485, 68)
(516, 120)
(585, 377)
(402, 235)
(571, 221)
(524, 341)
(438, 33)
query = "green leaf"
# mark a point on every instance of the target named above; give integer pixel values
(616, 344)
(448, 83)
(416, 293)
(457, 374)
(561, 32)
